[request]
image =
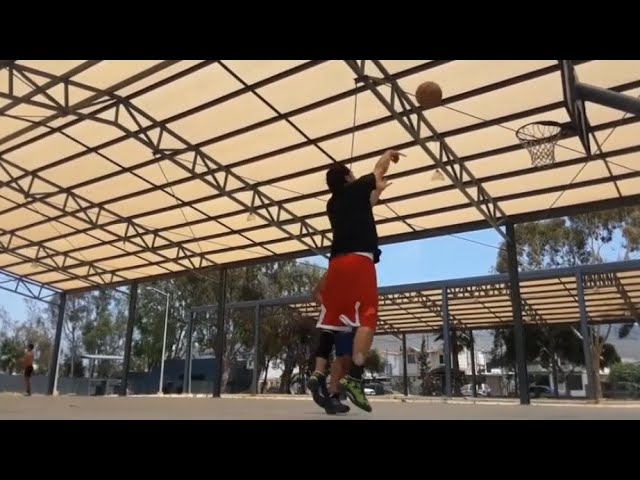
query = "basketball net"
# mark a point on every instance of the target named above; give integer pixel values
(540, 139)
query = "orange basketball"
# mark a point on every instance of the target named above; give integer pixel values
(429, 95)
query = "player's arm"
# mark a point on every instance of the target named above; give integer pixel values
(379, 171)
(375, 196)
(382, 167)
(319, 288)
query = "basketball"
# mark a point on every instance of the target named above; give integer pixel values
(429, 94)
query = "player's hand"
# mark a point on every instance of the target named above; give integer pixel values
(393, 155)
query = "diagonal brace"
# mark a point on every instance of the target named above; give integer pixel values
(447, 160)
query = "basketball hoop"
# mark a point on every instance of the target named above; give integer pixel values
(540, 139)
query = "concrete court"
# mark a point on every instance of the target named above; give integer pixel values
(16, 407)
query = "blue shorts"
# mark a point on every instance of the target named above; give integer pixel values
(344, 343)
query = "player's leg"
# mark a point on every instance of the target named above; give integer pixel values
(27, 380)
(344, 351)
(344, 346)
(367, 312)
(317, 381)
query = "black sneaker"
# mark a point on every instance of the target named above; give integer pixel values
(333, 406)
(318, 385)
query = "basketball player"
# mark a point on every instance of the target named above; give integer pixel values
(329, 399)
(350, 296)
(27, 364)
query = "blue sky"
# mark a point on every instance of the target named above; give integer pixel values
(409, 262)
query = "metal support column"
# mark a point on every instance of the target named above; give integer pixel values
(405, 375)
(516, 306)
(586, 340)
(186, 379)
(52, 381)
(133, 300)
(256, 352)
(472, 352)
(446, 336)
(220, 334)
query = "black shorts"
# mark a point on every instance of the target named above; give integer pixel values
(28, 371)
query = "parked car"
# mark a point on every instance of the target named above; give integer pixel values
(624, 390)
(540, 391)
(376, 388)
(482, 389)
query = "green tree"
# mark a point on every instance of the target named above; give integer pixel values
(103, 330)
(374, 362)
(570, 241)
(77, 310)
(625, 372)
(460, 340)
(284, 335)
(11, 350)
(424, 368)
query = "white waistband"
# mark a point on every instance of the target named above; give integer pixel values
(365, 254)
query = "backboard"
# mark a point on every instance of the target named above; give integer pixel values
(574, 105)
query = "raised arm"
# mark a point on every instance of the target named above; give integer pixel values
(379, 171)
(382, 166)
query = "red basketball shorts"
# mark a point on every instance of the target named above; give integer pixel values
(350, 295)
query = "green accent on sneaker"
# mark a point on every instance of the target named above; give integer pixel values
(355, 391)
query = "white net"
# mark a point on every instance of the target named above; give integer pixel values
(540, 140)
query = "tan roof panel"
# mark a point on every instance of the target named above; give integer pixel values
(276, 126)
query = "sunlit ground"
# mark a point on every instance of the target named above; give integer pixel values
(133, 408)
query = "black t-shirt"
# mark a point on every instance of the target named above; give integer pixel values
(351, 217)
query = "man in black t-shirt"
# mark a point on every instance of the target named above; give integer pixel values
(350, 297)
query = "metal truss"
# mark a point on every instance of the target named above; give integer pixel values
(599, 280)
(446, 160)
(297, 111)
(27, 288)
(151, 135)
(498, 289)
(532, 314)
(408, 298)
(88, 212)
(633, 311)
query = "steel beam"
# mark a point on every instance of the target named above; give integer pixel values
(28, 288)
(454, 132)
(95, 99)
(128, 340)
(87, 212)
(446, 337)
(608, 98)
(446, 160)
(255, 380)
(472, 352)
(561, 211)
(219, 176)
(405, 374)
(516, 305)
(264, 245)
(52, 380)
(186, 380)
(585, 332)
(216, 175)
(220, 333)
(531, 275)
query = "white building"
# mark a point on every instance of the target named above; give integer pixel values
(394, 366)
